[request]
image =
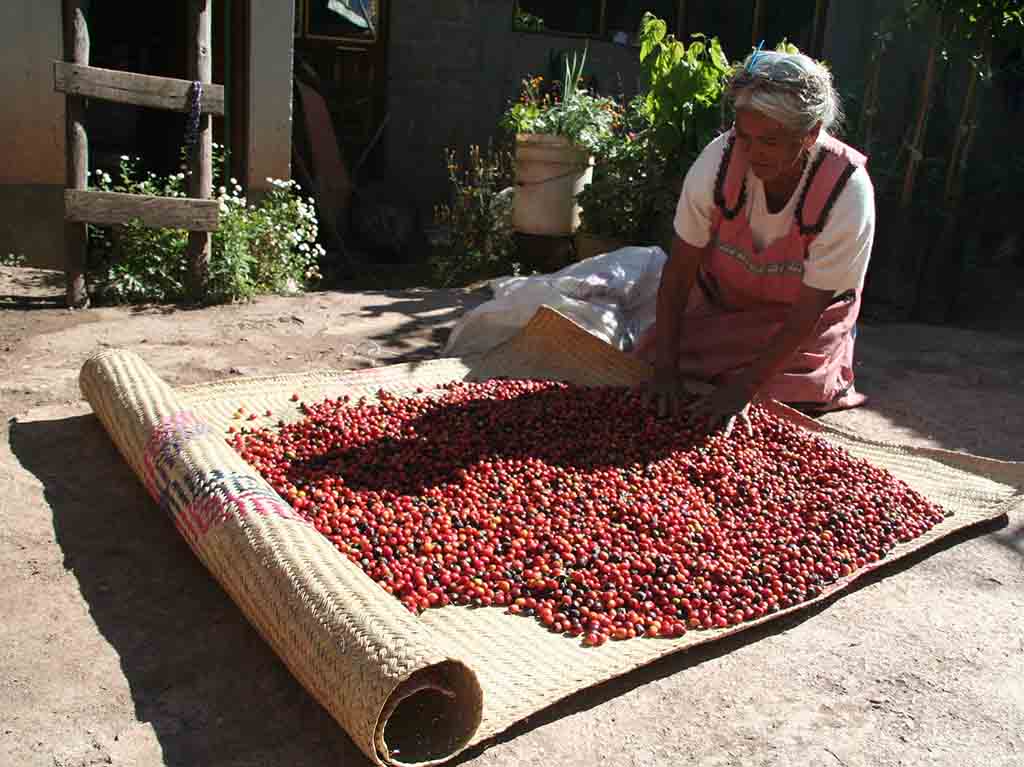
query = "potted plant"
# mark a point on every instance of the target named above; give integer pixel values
(557, 129)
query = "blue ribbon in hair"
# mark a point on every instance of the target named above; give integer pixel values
(754, 56)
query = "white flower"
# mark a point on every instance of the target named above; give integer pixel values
(234, 181)
(125, 158)
(303, 247)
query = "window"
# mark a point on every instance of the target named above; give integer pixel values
(731, 21)
(738, 24)
(794, 20)
(617, 20)
(341, 20)
(624, 15)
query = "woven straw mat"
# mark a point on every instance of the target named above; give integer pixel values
(419, 689)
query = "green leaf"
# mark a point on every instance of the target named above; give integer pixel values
(718, 57)
(652, 32)
(785, 46)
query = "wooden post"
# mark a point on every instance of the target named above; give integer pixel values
(76, 50)
(757, 24)
(682, 28)
(816, 44)
(200, 183)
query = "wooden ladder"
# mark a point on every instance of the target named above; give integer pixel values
(199, 213)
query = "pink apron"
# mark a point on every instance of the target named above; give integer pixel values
(743, 295)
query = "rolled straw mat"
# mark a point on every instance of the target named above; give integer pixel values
(417, 690)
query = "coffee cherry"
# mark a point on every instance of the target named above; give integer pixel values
(578, 508)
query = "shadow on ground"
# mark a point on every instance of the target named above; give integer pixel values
(29, 303)
(213, 692)
(425, 311)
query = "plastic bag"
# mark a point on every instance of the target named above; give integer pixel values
(613, 296)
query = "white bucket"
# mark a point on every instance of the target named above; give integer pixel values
(550, 172)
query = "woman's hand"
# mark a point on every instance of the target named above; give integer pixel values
(725, 406)
(666, 390)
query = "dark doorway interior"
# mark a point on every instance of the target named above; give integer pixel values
(152, 39)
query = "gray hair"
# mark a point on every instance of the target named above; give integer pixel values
(790, 88)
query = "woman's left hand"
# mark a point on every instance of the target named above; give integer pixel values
(725, 406)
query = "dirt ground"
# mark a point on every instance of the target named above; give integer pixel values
(117, 648)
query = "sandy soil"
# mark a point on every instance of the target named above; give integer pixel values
(117, 648)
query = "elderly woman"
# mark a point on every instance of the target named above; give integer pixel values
(774, 228)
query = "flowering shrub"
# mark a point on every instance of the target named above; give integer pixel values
(478, 238)
(269, 247)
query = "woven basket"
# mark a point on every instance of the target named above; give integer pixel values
(417, 690)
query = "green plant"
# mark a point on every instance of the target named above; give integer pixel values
(477, 240)
(972, 26)
(629, 189)
(12, 259)
(684, 88)
(527, 22)
(562, 108)
(269, 247)
(785, 46)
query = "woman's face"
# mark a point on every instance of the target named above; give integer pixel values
(774, 150)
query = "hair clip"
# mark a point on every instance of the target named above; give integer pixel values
(753, 57)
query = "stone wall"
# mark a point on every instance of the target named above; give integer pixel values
(453, 67)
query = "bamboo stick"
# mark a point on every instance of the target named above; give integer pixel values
(917, 144)
(869, 106)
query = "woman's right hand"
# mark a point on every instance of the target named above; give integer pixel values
(665, 389)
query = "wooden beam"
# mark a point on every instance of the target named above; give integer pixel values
(111, 208)
(131, 88)
(76, 51)
(200, 182)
